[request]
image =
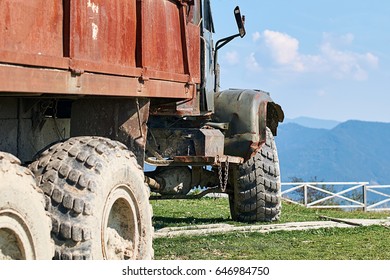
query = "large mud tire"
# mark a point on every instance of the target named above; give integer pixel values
(97, 198)
(256, 184)
(24, 225)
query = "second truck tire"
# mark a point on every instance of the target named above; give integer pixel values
(97, 200)
(256, 184)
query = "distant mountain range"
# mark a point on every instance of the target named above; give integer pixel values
(352, 151)
(312, 122)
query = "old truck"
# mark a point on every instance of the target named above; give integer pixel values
(91, 92)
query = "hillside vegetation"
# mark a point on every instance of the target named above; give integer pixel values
(351, 151)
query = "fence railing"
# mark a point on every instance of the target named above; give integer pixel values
(343, 195)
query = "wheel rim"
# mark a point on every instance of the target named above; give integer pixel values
(120, 234)
(15, 237)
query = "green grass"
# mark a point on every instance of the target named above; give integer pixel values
(168, 213)
(363, 243)
(359, 243)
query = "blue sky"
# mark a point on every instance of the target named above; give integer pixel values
(322, 59)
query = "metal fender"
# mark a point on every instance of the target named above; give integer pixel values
(248, 113)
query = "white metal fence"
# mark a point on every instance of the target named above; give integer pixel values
(343, 195)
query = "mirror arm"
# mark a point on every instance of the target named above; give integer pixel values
(222, 42)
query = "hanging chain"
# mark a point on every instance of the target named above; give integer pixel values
(219, 172)
(223, 178)
(226, 174)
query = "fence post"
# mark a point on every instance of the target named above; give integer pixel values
(305, 194)
(365, 198)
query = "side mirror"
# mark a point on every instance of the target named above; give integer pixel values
(240, 21)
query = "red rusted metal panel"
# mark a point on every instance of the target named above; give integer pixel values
(148, 48)
(170, 43)
(21, 58)
(162, 46)
(31, 30)
(193, 37)
(37, 81)
(103, 33)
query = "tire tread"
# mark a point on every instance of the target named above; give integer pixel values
(69, 174)
(257, 189)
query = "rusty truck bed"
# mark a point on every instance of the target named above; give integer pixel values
(148, 48)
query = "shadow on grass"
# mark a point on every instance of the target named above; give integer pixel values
(160, 222)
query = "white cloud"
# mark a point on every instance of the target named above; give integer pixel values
(348, 64)
(256, 36)
(232, 57)
(372, 60)
(341, 40)
(331, 58)
(252, 64)
(284, 49)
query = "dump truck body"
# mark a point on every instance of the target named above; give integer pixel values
(99, 48)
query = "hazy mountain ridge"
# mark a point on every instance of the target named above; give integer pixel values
(313, 122)
(351, 151)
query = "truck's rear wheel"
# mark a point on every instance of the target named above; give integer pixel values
(24, 224)
(99, 203)
(256, 195)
